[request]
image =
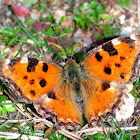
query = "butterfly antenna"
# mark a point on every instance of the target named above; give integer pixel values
(73, 32)
(58, 37)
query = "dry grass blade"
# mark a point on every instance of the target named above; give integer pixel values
(69, 135)
(8, 135)
(94, 130)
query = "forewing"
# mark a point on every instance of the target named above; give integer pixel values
(115, 60)
(29, 78)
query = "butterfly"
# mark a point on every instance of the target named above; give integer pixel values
(92, 88)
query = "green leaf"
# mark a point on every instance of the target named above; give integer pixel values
(11, 109)
(93, 4)
(100, 9)
(62, 19)
(11, 41)
(93, 19)
(2, 125)
(3, 98)
(83, 16)
(75, 11)
(101, 26)
(136, 87)
(108, 33)
(9, 29)
(51, 18)
(91, 13)
(6, 32)
(68, 30)
(98, 36)
(1, 109)
(0, 54)
(71, 49)
(88, 24)
(82, 24)
(105, 16)
(82, 7)
(4, 107)
(43, 6)
(124, 3)
(29, 3)
(30, 21)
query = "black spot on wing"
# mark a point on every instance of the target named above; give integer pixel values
(109, 48)
(32, 63)
(25, 77)
(127, 40)
(122, 75)
(32, 92)
(107, 70)
(105, 86)
(98, 56)
(43, 83)
(117, 65)
(51, 95)
(14, 61)
(45, 67)
(122, 58)
(131, 46)
(32, 81)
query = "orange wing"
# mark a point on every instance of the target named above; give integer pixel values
(114, 60)
(40, 83)
(108, 69)
(29, 78)
(60, 104)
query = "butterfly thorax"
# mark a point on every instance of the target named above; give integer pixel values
(72, 74)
